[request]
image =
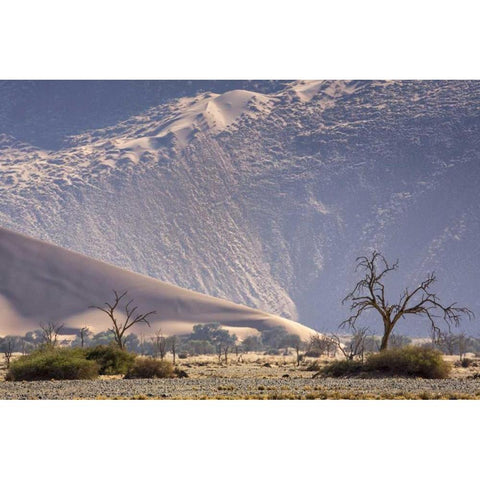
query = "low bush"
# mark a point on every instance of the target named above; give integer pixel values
(53, 364)
(342, 368)
(313, 367)
(466, 362)
(414, 361)
(111, 360)
(150, 368)
(409, 361)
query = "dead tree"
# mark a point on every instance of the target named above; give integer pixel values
(8, 347)
(172, 344)
(321, 345)
(355, 347)
(84, 332)
(50, 332)
(369, 294)
(297, 351)
(159, 345)
(226, 349)
(447, 342)
(23, 345)
(462, 345)
(119, 327)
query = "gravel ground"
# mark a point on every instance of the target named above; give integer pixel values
(222, 388)
(258, 377)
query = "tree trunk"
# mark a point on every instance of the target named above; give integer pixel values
(387, 330)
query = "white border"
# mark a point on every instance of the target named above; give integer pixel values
(239, 439)
(216, 39)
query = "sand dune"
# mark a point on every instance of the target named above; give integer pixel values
(208, 112)
(42, 282)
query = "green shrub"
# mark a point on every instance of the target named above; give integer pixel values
(111, 360)
(150, 368)
(414, 361)
(48, 364)
(410, 361)
(341, 368)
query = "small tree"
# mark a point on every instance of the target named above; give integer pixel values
(224, 342)
(216, 335)
(119, 327)
(321, 345)
(355, 347)
(369, 294)
(273, 337)
(84, 333)
(50, 332)
(462, 345)
(447, 342)
(160, 346)
(294, 341)
(8, 346)
(172, 343)
(252, 344)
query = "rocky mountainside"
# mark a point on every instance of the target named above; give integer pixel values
(264, 195)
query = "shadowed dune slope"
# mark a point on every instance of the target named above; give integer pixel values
(40, 282)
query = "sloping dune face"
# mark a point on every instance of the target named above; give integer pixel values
(41, 282)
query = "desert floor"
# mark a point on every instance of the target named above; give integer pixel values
(253, 376)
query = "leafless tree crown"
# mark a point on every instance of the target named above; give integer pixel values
(50, 332)
(355, 347)
(8, 347)
(132, 317)
(369, 294)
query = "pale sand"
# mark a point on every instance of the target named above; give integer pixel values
(41, 282)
